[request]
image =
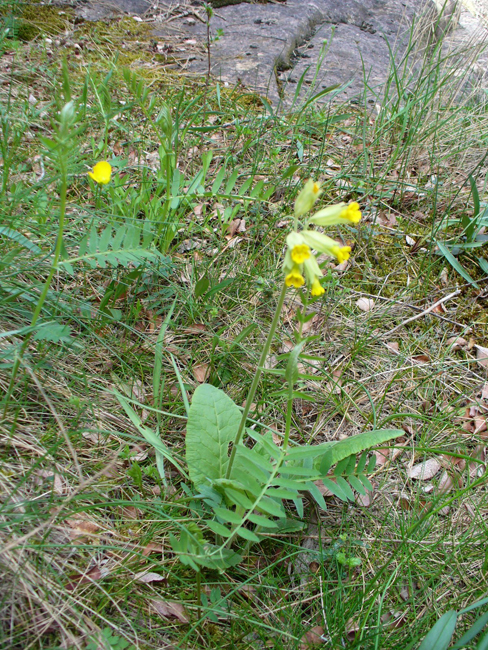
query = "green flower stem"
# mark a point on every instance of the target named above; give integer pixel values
(289, 411)
(45, 290)
(256, 378)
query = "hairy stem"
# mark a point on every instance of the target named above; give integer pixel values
(256, 378)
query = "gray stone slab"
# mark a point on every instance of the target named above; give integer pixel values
(269, 47)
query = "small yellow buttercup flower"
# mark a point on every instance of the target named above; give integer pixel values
(307, 197)
(317, 289)
(101, 173)
(294, 279)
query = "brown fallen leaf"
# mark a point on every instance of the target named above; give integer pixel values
(482, 355)
(57, 481)
(171, 609)
(201, 372)
(393, 346)
(152, 547)
(76, 579)
(196, 328)
(148, 577)
(484, 391)
(425, 470)
(457, 343)
(421, 358)
(313, 638)
(82, 527)
(382, 456)
(365, 304)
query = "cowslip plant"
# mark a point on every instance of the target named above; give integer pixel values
(249, 492)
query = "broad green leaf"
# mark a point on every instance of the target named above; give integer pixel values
(440, 635)
(218, 529)
(230, 516)
(249, 483)
(345, 487)
(296, 470)
(316, 495)
(334, 488)
(20, 239)
(483, 643)
(366, 482)
(356, 484)
(271, 507)
(259, 520)
(239, 499)
(248, 535)
(288, 483)
(291, 373)
(254, 457)
(299, 506)
(213, 421)
(356, 444)
(282, 493)
(201, 286)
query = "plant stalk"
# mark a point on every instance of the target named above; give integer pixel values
(256, 378)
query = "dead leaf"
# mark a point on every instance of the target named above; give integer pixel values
(482, 355)
(393, 346)
(170, 609)
(335, 385)
(152, 547)
(364, 500)
(57, 483)
(446, 482)
(421, 358)
(410, 241)
(457, 342)
(382, 456)
(424, 471)
(82, 527)
(236, 226)
(439, 309)
(365, 304)
(201, 372)
(130, 512)
(148, 576)
(480, 425)
(342, 267)
(313, 638)
(484, 391)
(95, 573)
(196, 328)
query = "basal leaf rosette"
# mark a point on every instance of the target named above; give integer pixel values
(300, 264)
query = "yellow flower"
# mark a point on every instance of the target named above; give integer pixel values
(295, 279)
(338, 213)
(317, 289)
(299, 250)
(300, 253)
(342, 253)
(101, 173)
(325, 244)
(307, 197)
(352, 213)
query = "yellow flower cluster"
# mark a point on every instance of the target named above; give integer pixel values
(300, 265)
